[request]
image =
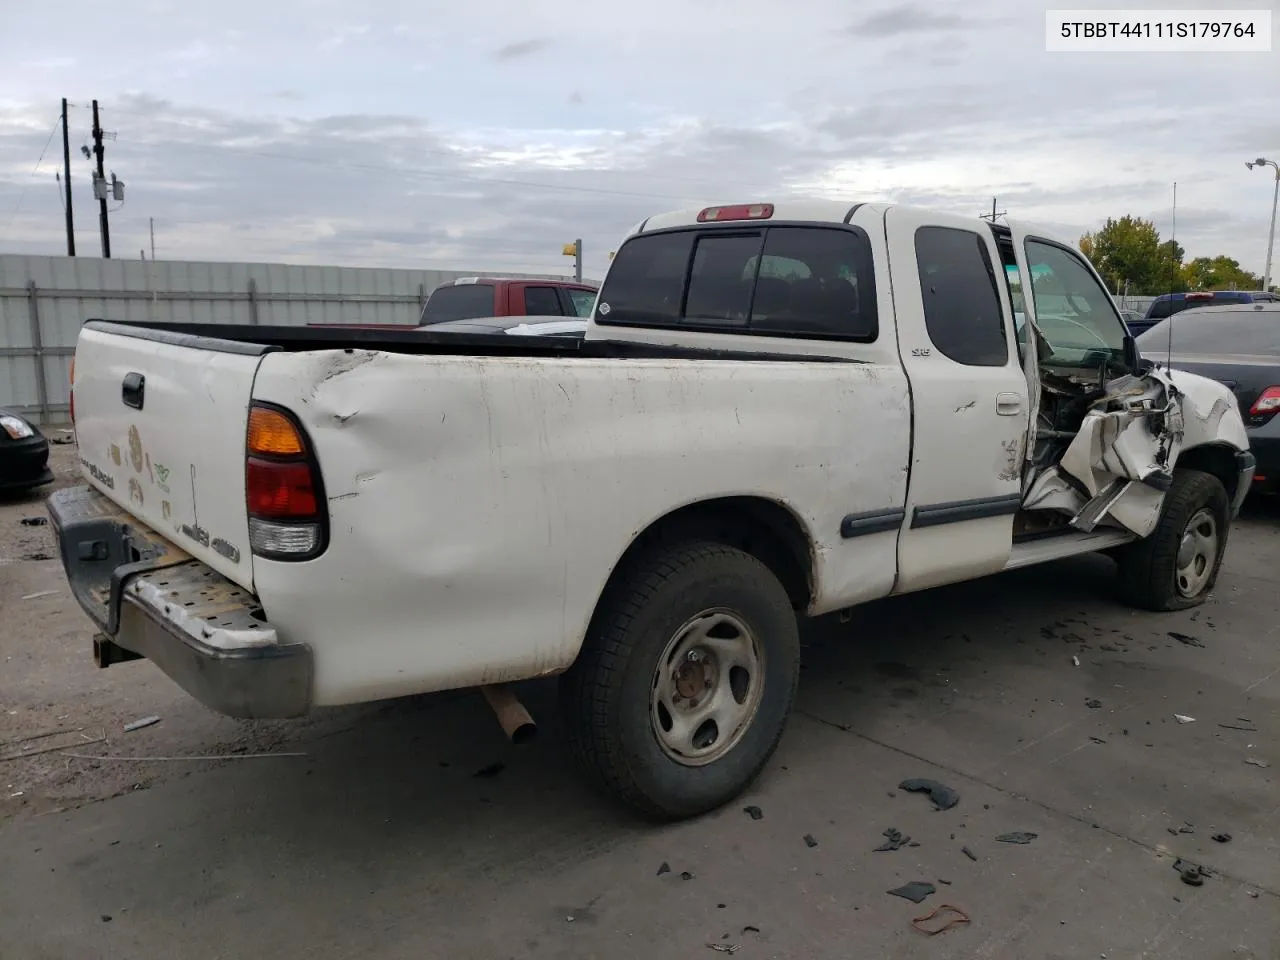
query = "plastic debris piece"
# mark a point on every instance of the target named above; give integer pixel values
(1255, 762)
(1097, 740)
(943, 797)
(917, 891)
(1185, 639)
(686, 875)
(664, 867)
(1222, 837)
(1018, 836)
(969, 853)
(1075, 661)
(34, 521)
(809, 841)
(1192, 874)
(724, 947)
(1093, 703)
(1238, 726)
(750, 929)
(894, 840)
(755, 813)
(139, 724)
(39, 594)
(958, 918)
(1183, 718)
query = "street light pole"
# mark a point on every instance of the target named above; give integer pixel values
(1275, 199)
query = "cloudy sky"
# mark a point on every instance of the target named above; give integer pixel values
(485, 134)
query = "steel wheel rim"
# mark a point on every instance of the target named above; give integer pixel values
(1197, 553)
(706, 688)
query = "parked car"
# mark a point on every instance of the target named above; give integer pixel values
(1168, 304)
(777, 411)
(24, 454)
(1239, 346)
(474, 297)
(513, 326)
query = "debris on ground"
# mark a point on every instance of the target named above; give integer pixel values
(139, 724)
(664, 867)
(1183, 718)
(1187, 828)
(1097, 740)
(1238, 726)
(1254, 761)
(943, 797)
(750, 929)
(755, 813)
(1093, 703)
(38, 595)
(1192, 874)
(1018, 836)
(1075, 661)
(916, 891)
(492, 770)
(1222, 837)
(894, 840)
(724, 947)
(34, 521)
(1184, 639)
(969, 853)
(809, 841)
(957, 918)
(686, 875)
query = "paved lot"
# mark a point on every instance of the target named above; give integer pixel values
(381, 841)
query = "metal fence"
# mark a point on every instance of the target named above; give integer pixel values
(44, 300)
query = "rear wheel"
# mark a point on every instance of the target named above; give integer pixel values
(1177, 565)
(686, 679)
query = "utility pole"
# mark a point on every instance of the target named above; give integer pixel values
(100, 186)
(151, 223)
(66, 173)
(993, 214)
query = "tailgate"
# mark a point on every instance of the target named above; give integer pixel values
(160, 423)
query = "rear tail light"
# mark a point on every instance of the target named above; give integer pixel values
(1267, 404)
(1199, 296)
(288, 517)
(740, 211)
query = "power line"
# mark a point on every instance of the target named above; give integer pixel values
(27, 186)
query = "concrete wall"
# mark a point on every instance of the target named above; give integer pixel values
(44, 300)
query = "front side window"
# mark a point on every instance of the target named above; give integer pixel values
(1075, 314)
(583, 301)
(794, 281)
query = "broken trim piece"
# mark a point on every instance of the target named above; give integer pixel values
(873, 521)
(959, 511)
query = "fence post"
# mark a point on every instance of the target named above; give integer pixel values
(253, 301)
(37, 347)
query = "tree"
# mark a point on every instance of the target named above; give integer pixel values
(1219, 273)
(1129, 250)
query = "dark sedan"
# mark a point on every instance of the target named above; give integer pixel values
(24, 454)
(1238, 346)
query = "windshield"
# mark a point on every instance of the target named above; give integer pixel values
(1074, 313)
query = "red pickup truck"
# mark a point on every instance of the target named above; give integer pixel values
(471, 297)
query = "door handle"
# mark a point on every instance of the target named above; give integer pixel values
(1008, 404)
(133, 390)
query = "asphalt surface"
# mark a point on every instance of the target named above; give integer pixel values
(382, 841)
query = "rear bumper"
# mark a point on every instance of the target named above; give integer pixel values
(150, 599)
(1246, 464)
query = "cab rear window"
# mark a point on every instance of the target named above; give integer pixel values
(782, 281)
(462, 302)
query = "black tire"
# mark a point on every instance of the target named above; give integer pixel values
(1149, 569)
(605, 695)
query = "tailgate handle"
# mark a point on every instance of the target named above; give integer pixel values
(133, 390)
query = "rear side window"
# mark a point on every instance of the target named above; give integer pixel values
(542, 302)
(961, 301)
(465, 302)
(790, 281)
(583, 301)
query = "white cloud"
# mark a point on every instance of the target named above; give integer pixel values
(473, 135)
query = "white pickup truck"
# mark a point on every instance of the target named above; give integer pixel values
(778, 410)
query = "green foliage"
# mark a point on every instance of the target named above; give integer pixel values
(1130, 250)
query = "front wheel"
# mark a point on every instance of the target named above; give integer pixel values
(1177, 565)
(685, 682)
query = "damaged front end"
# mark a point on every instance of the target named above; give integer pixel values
(1116, 466)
